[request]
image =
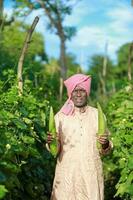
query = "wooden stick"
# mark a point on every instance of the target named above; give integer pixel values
(129, 73)
(23, 52)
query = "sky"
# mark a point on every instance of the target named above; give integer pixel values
(100, 24)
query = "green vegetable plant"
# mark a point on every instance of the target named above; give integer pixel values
(52, 130)
(102, 125)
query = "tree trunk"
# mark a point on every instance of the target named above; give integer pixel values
(63, 68)
(105, 61)
(103, 88)
(130, 57)
(3, 22)
(113, 87)
(24, 49)
(36, 80)
(1, 10)
(61, 89)
(104, 71)
(57, 23)
(1, 15)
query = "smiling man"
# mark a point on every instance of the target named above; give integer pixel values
(78, 174)
(79, 97)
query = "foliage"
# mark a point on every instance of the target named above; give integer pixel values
(73, 66)
(116, 74)
(3, 191)
(123, 54)
(96, 70)
(56, 11)
(26, 168)
(119, 165)
(48, 82)
(11, 44)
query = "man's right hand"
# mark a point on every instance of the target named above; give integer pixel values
(49, 138)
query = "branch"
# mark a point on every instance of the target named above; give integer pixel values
(59, 24)
(56, 23)
(47, 12)
(23, 52)
(105, 60)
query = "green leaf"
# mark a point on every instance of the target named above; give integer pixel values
(28, 140)
(3, 191)
(19, 123)
(27, 120)
(10, 167)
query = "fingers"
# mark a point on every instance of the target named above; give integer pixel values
(102, 139)
(49, 134)
(49, 138)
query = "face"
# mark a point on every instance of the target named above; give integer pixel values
(79, 97)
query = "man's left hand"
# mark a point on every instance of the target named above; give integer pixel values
(103, 140)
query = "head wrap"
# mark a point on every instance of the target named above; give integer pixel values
(81, 80)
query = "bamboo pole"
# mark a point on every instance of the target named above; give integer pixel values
(103, 74)
(105, 60)
(23, 52)
(129, 73)
(61, 89)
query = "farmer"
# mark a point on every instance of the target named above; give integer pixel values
(78, 174)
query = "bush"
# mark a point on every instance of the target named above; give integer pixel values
(26, 168)
(119, 165)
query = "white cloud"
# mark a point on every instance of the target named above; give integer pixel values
(121, 19)
(90, 40)
(122, 13)
(89, 35)
(8, 12)
(117, 30)
(79, 12)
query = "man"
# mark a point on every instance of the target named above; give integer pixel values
(78, 174)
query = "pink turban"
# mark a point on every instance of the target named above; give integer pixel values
(77, 79)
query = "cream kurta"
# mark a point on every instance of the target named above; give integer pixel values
(78, 174)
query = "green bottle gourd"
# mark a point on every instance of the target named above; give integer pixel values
(52, 129)
(102, 125)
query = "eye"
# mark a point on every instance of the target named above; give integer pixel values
(75, 91)
(83, 91)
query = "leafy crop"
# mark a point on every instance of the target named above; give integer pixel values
(26, 167)
(119, 165)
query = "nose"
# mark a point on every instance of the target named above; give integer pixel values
(78, 93)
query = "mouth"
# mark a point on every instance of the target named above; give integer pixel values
(79, 100)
